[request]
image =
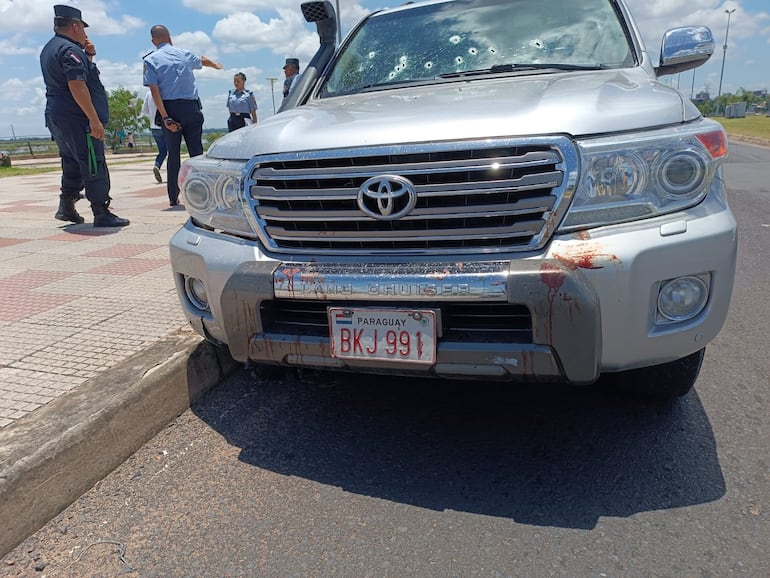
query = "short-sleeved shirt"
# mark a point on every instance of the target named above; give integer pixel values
(149, 110)
(62, 60)
(241, 102)
(171, 69)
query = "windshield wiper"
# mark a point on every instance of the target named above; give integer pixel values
(392, 84)
(498, 68)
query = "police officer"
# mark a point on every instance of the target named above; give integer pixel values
(291, 71)
(168, 72)
(75, 114)
(241, 104)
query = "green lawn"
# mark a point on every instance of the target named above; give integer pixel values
(754, 126)
(15, 171)
(20, 170)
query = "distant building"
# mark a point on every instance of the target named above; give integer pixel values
(701, 97)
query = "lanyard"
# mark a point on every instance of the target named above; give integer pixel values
(92, 168)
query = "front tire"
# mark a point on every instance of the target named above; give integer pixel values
(663, 382)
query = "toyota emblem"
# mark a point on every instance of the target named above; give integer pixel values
(387, 197)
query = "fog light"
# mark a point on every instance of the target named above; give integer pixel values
(196, 293)
(682, 298)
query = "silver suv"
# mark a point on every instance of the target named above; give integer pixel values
(490, 189)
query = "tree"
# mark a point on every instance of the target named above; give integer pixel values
(125, 114)
(718, 105)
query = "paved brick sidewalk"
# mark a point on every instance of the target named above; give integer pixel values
(77, 300)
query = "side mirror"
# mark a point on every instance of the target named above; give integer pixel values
(684, 48)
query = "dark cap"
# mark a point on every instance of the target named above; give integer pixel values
(68, 12)
(292, 62)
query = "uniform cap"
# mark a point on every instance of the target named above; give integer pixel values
(292, 62)
(68, 12)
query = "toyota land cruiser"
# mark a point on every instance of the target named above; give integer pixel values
(489, 189)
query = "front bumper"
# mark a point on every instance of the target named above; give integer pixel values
(591, 298)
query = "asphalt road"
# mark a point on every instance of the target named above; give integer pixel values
(275, 474)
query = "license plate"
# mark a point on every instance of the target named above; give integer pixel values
(383, 334)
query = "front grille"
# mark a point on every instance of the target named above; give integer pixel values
(482, 196)
(466, 322)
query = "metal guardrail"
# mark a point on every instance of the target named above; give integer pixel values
(42, 147)
(33, 147)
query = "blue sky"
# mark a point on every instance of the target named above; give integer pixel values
(255, 36)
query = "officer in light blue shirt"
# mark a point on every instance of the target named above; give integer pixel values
(168, 72)
(241, 104)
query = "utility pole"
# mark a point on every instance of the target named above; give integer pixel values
(724, 50)
(692, 88)
(272, 80)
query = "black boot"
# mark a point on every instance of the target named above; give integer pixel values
(103, 217)
(67, 212)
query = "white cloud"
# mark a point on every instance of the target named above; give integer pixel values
(284, 36)
(251, 72)
(351, 14)
(121, 75)
(37, 15)
(237, 6)
(16, 89)
(656, 17)
(246, 31)
(13, 47)
(196, 42)
(21, 108)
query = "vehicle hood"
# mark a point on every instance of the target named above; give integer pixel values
(575, 103)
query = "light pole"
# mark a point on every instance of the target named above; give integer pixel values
(724, 50)
(272, 80)
(692, 88)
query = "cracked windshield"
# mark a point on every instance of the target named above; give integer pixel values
(462, 39)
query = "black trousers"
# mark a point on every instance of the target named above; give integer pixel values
(237, 120)
(70, 135)
(188, 113)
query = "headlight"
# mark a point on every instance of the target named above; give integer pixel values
(681, 174)
(213, 194)
(631, 177)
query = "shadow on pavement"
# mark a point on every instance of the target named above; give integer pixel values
(540, 455)
(87, 229)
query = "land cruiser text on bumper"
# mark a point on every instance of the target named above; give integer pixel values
(472, 189)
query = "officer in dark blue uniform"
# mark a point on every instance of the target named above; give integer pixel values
(76, 112)
(291, 71)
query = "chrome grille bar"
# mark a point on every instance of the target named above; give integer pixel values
(490, 195)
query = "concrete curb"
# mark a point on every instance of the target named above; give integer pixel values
(749, 139)
(48, 462)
